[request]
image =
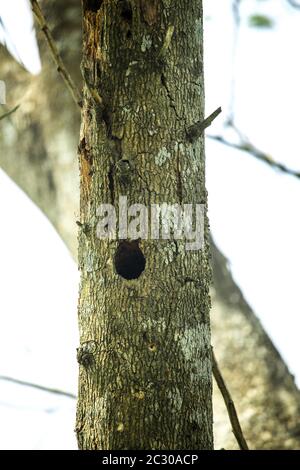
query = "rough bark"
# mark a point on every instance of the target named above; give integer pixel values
(267, 399)
(38, 141)
(268, 391)
(145, 365)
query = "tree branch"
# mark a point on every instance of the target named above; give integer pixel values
(251, 149)
(194, 132)
(236, 4)
(39, 387)
(294, 4)
(8, 113)
(236, 427)
(55, 54)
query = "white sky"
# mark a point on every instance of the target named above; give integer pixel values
(254, 210)
(38, 326)
(254, 214)
(19, 35)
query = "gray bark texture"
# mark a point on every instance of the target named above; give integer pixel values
(38, 140)
(38, 151)
(147, 381)
(264, 391)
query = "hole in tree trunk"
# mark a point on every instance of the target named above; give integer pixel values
(129, 259)
(92, 5)
(126, 11)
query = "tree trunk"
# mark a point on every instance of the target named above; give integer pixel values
(145, 367)
(40, 138)
(38, 141)
(266, 396)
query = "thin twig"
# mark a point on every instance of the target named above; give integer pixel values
(251, 149)
(39, 387)
(54, 52)
(194, 132)
(8, 113)
(234, 420)
(236, 4)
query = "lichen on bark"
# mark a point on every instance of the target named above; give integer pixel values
(149, 384)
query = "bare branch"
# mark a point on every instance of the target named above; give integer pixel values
(194, 132)
(234, 420)
(236, 4)
(39, 387)
(244, 144)
(294, 4)
(55, 54)
(247, 146)
(236, 12)
(8, 113)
